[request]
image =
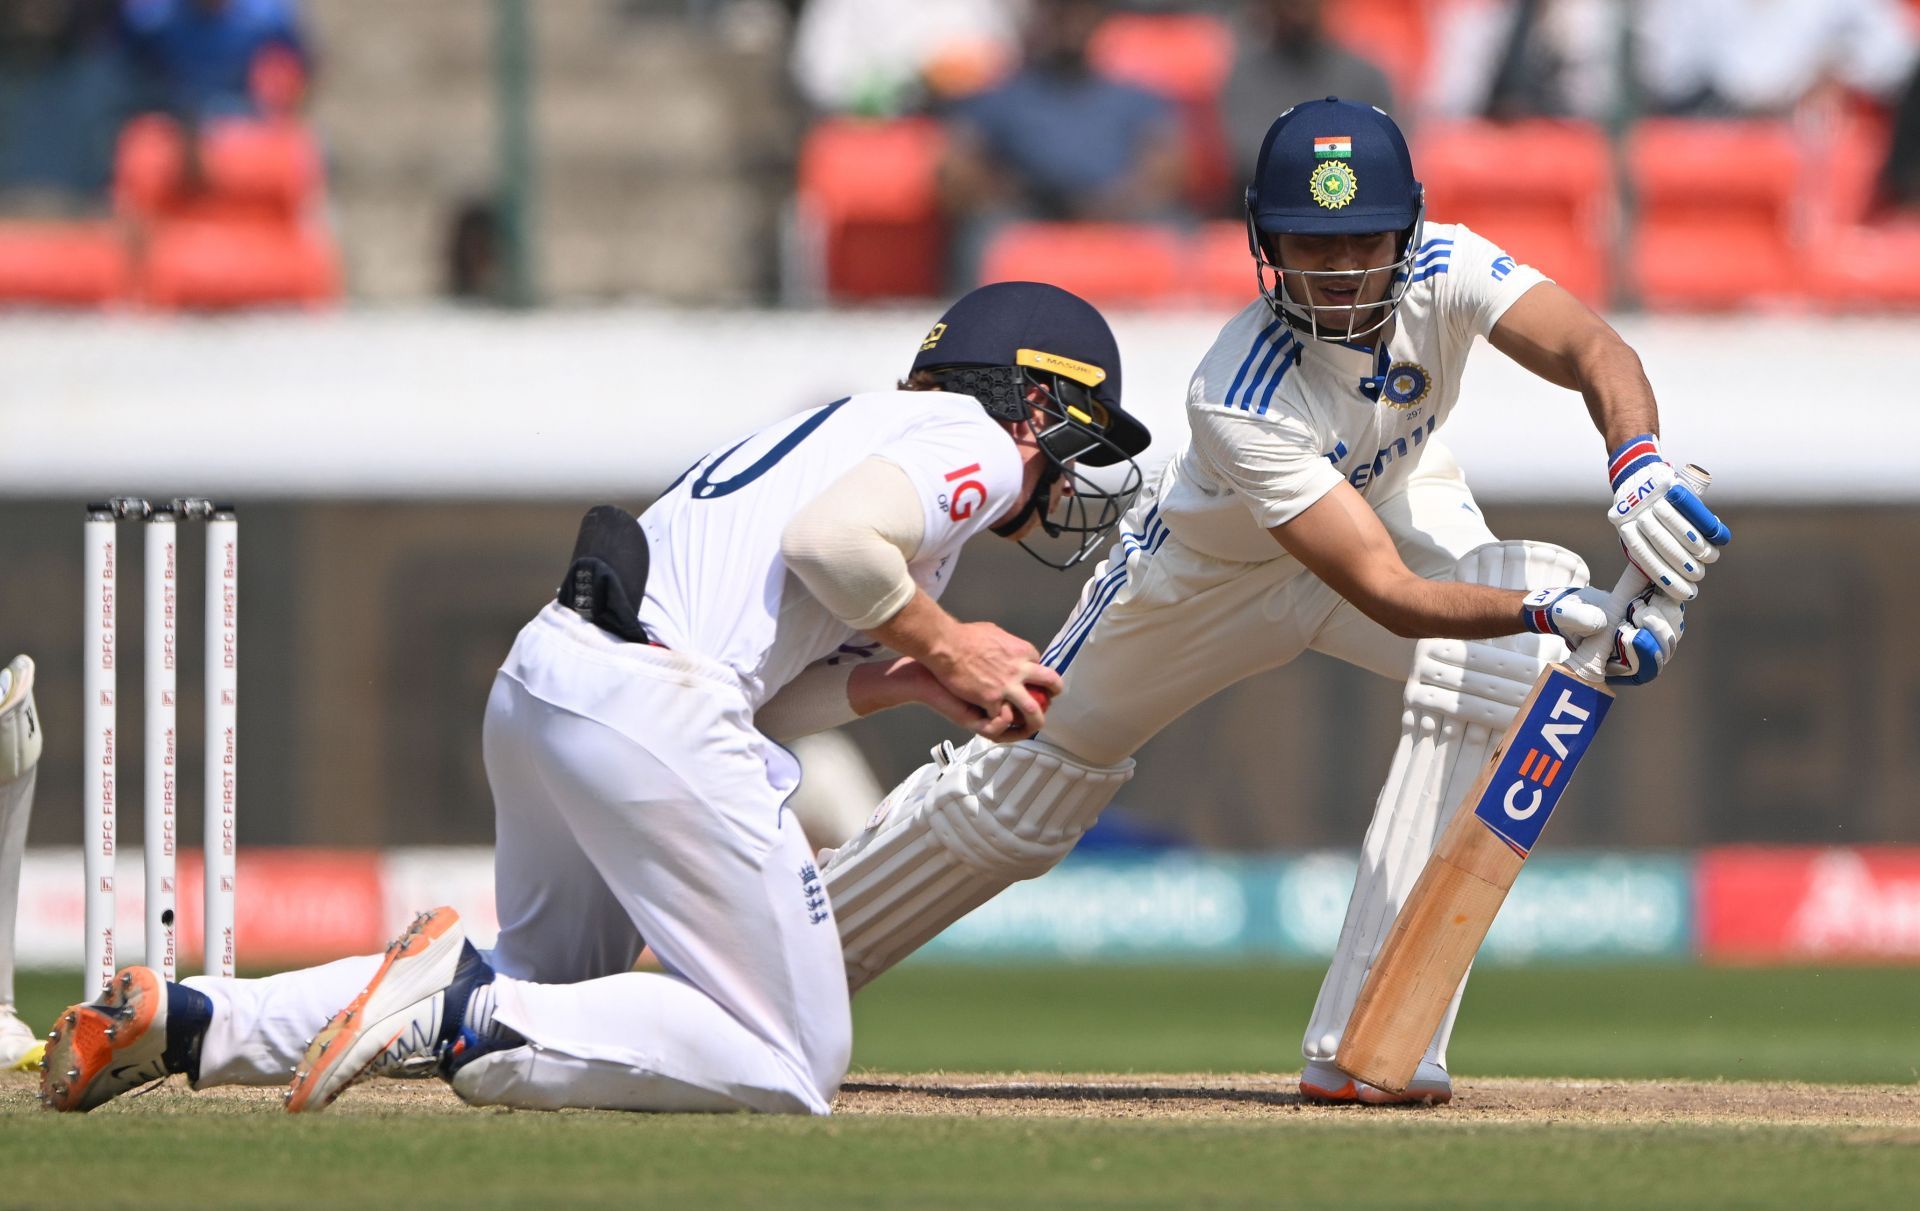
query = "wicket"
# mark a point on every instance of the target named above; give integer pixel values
(160, 607)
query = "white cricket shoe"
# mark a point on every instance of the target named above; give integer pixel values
(1326, 1084)
(20, 1048)
(400, 1020)
(99, 1050)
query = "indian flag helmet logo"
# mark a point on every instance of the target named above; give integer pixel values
(1333, 147)
(1333, 184)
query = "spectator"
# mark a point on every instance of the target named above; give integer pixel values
(1058, 140)
(1285, 57)
(1899, 183)
(1761, 58)
(883, 58)
(61, 91)
(1508, 59)
(203, 59)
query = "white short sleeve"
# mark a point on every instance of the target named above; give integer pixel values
(1481, 282)
(964, 467)
(1273, 463)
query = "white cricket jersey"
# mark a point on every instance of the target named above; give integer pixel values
(717, 585)
(1277, 418)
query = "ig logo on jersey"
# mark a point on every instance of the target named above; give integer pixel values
(966, 498)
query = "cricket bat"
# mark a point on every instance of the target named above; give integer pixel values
(1453, 903)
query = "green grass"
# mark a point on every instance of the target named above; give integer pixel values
(481, 1160)
(1836, 1025)
(1841, 1025)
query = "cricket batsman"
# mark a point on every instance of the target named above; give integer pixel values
(1314, 506)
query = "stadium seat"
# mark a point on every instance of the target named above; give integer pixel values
(1855, 259)
(1220, 265)
(1541, 189)
(1864, 266)
(1716, 203)
(866, 191)
(201, 264)
(1184, 57)
(1109, 264)
(62, 264)
(233, 226)
(247, 170)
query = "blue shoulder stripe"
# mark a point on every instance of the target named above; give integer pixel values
(1247, 364)
(1293, 357)
(1260, 375)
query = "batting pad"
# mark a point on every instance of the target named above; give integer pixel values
(1459, 700)
(956, 833)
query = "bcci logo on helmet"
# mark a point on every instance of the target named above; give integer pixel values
(1333, 184)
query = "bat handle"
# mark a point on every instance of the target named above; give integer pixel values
(1589, 659)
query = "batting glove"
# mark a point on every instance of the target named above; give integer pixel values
(1572, 612)
(1667, 531)
(1645, 639)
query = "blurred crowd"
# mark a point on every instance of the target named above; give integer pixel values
(72, 72)
(154, 152)
(1096, 111)
(938, 143)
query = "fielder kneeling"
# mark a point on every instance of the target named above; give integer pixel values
(1312, 507)
(637, 798)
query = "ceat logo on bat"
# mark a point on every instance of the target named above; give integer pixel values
(969, 496)
(1534, 771)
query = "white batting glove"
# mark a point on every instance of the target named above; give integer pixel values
(1644, 641)
(1667, 531)
(1571, 612)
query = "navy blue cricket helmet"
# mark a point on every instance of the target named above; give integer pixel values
(1330, 168)
(1017, 346)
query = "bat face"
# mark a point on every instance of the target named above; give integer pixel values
(1533, 770)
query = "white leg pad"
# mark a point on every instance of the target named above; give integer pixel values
(1459, 700)
(20, 744)
(956, 833)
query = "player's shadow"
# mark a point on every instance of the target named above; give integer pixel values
(1022, 1091)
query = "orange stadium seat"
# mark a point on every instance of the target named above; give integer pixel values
(1854, 259)
(867, 188)
(1716, 203)
(1109, 264)
(1543, 190)
(1184, 57)
(203, 264)
(246, 169)
(231, 226)
(62, 263)
(1221, 265)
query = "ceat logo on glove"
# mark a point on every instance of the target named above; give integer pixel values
(969, 496)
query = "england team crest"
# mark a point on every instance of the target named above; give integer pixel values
(1407, 383)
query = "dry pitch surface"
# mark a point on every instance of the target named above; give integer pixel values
(1887, 1113)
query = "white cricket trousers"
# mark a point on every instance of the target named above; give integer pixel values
(633, 801)
(1158, 614)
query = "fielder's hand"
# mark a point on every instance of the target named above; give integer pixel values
(1667, 531)
(999, 673)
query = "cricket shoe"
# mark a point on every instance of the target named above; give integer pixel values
(99, 1050)
(409, 1015)
(1327, 1085)
(20, 1049)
